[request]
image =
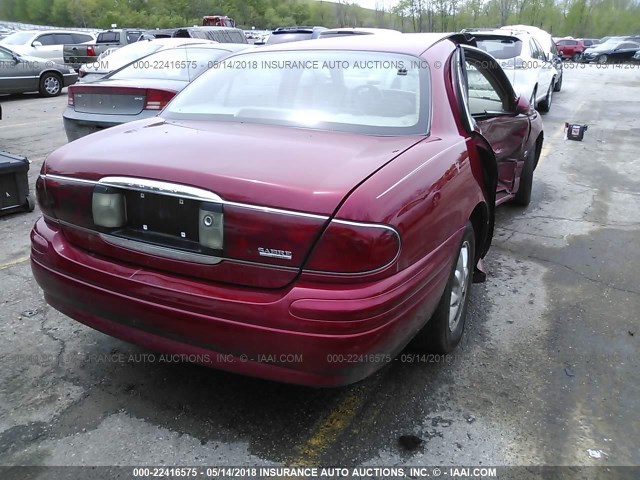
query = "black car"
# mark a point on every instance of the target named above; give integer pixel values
(611, 51)
(216, 34)
(294, 34)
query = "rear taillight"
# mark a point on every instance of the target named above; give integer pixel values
(269, 236)
(354, 248)
(153, 99)
(41, 196)
(91, 51)
(157, 99)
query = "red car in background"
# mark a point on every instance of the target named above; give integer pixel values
(301, 216)
(573, 47)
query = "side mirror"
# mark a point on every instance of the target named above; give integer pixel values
(36, 44)
(523, 106)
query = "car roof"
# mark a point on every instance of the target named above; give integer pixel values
(230, 47)
(298, 29)
(33, 32)
(407, 43)
(176, 41)
(358, 30)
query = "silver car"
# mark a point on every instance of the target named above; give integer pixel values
(139, 90)
(112, 60)
(45, 44)
(19, 74)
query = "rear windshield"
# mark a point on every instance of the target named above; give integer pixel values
(182, 63)
(108, 37)
(362, 92)
(282, 37)
(122, 56)
(501, 48)
(342, 34)
(17, 38)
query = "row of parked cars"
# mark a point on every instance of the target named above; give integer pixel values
(117, 87)
(606, 50)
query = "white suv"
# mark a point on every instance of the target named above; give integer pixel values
(545, 40)
(45, 44)
(531, 71)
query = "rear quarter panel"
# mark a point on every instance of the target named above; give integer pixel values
(428, 192)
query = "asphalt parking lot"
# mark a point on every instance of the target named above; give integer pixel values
(548, 368)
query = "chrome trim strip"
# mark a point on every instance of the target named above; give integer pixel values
(68, 179)
(164, 252)
(21, 78)
(368, 272)
(276, 211)
(163, 188)
(178, 190)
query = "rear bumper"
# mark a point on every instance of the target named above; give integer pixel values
(77, 125)
(306, 334)
(69, 79)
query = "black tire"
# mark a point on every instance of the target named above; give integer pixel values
(576, 57)
(558, 86)
(523, 195)
(602, 59)
(437, 336)
(30, 205)
(532, 100)
(545, 105)
(50, 84)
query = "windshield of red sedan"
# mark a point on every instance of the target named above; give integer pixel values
(362, 92)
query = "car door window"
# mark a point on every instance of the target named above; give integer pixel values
(534, 49)
(5, 56)
(47, 39)
(540, 55)
(482, 94)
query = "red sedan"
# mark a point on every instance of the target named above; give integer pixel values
(298, 213)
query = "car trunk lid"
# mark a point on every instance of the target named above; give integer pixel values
(121, 98)
(274, 187)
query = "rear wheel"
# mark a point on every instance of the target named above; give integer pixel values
(443, 331)
(29, 204)
(523, 196)
(545, 105)
(558, 86)
(532, 100)
(50, 84)
(575, 57)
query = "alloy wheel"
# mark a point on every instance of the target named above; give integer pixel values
(459, 287)
(52, 85)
